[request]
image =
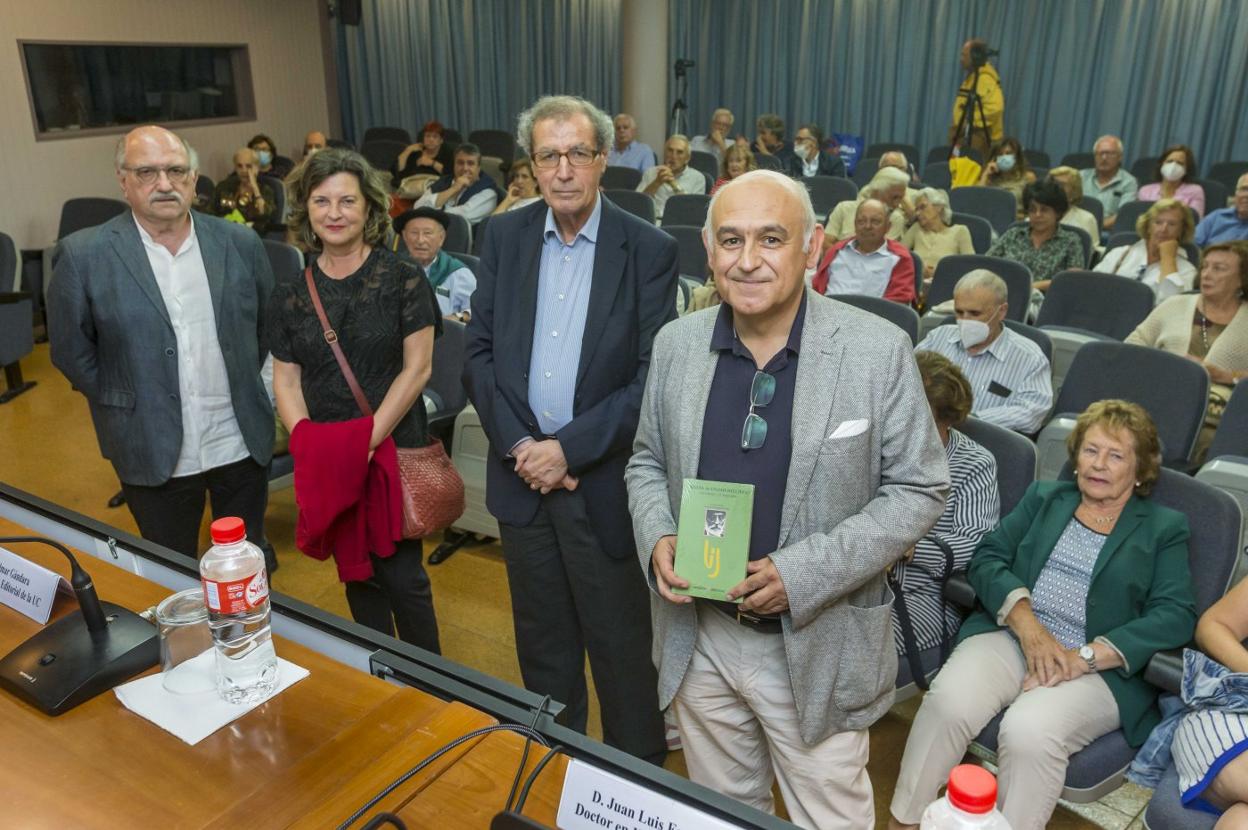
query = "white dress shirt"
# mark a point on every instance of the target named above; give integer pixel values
(210, 433)
(853, 272)
(1132, 261)
(689, 181)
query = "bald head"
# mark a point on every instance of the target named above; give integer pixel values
(870, 224)
(150, 136)
(313, 141)
(246, 163)
(157, 169)
(894, 158)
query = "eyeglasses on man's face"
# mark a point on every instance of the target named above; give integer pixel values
(577, 157)
(148, 175)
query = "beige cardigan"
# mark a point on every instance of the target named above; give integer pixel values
(1169, 328)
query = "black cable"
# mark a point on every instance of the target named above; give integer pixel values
(537, 770)
(524, 756)
(398, 782)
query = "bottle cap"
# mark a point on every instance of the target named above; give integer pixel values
(228, 529)
(972, 789)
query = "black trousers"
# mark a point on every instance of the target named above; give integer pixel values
(169, 514)
(399, 594)
(569, 598)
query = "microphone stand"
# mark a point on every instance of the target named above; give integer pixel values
(82, 654)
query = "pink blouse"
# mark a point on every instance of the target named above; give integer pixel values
(1192, 195)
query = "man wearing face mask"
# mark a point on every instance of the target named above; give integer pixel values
(1009, 375)
(809, 159)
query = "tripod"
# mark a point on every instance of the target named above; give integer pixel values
(680, 110)
(962, 134)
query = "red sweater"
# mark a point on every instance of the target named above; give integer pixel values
(349, 507)
(900, 283)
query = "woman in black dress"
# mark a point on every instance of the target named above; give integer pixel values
(386, 318)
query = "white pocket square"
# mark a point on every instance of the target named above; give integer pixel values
(848, 429)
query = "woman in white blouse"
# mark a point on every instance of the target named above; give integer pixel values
(1158, 260)
(521, 187)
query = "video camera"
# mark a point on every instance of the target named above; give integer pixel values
(980, 53)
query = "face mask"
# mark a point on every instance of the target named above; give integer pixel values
(974, 332)
(265, 157)
(1172, 171)
(1005, 163)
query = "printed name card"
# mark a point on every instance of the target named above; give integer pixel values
(27, 587)
(597, 800)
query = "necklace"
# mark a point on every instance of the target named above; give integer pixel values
(1204, 330)
(1103, 520)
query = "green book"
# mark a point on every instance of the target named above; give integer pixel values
(713, 537)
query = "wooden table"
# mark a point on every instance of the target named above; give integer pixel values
(307, 758)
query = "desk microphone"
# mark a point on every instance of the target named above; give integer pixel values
(84, 653)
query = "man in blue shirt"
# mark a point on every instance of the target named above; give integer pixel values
(1228, 224)
(627, 151)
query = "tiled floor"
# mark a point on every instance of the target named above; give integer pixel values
(48, 447)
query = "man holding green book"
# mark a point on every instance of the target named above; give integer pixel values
(819, 408)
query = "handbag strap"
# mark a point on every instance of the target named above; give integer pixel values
(331, 337)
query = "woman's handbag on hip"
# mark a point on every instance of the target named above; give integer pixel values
(433, 492)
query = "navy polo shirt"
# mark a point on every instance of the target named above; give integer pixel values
(721, 457)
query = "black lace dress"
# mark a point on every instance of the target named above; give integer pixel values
(372, 311)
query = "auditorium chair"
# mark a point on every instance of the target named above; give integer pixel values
(1037, 158)
(204, 186)
(911, 152)
(1145, 169)
(1216, 195)
(77, 214)
(826, 192)
(865, 170)
(766, 162)
(1173, 389)
(1228, 173)
(472, 263)
(686, 209)
(277, 226)
(936, 174)
(1079, 161)
(940, 153)
(994, 204)
(1128, 212)
(692, 250)
(17, 336)
(1213, 517)
(1082, 306)
(980, 228)
(706, 164)
(1226, 463)
(498, 143)
(286, 260)
(902, 316)
(458, 235)
(953, 267)
(1096, 208)
(621, 178)
(637, 203)
(387, 134)
(382, 153)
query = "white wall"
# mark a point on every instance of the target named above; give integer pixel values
(287, 68)
(643, 88)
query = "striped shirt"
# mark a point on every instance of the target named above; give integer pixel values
(564, 279)
(1010, 380)
(971, 511)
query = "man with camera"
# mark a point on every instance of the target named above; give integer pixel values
(981, 92)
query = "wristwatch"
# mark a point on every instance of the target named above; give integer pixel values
(1089, 656)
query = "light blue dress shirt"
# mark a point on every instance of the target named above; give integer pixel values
(564, 280)
(637, 155)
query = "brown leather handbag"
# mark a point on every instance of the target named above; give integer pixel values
(433, 492)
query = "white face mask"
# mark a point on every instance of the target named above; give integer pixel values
(974, 332)
(1172, 171)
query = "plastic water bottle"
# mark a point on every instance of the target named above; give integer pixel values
(236, 591)
(970, 803)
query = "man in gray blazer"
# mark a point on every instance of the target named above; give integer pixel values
(820, 406)
(157, 317)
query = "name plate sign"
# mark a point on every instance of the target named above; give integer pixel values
(594, 799)
(27, 587)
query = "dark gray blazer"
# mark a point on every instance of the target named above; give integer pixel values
(111, 336)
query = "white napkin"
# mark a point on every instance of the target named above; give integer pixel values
(193, 717)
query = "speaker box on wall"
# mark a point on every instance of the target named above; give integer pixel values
(349, 11)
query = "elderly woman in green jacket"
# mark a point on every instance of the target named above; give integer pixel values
(1077, 587)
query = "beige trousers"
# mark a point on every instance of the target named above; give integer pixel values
(1039, 733)
(738, 726)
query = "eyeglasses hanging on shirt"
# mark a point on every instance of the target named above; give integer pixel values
(754, 431)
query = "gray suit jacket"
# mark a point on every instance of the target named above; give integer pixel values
(853, 504)
(112, 337)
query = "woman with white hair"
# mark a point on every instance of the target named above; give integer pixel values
(889, 186)
(933, 235)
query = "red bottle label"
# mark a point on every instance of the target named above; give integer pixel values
(238, 596)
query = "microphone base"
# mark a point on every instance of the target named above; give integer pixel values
(65, 664)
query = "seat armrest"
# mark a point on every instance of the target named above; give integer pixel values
(958, 590)
(1165, 670)
(12, 297)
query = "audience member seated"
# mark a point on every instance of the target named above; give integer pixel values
(716, 141)
(1210, 327)
(1108, 182)
(271, 164)
(313, 142)
(467, 192)
(241, 198)
(423, 231)
(627, 151)
(1174, 178)
(521, 187)
(738, 159)
(1208, 742)
(971, 510)
(1158, 260)
(1042, 244)
(1009, 375)
(888, 185)
(1075, 216)
(896, 158)
(868, 262)
(809, 157)
(1060, 634)
(932, 236)
(1007, 169)
(429, 157)
(769, 128)
(1229, 223)
(673, 176)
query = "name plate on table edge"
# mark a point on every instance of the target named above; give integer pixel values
(29, 588)
(594, 799)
